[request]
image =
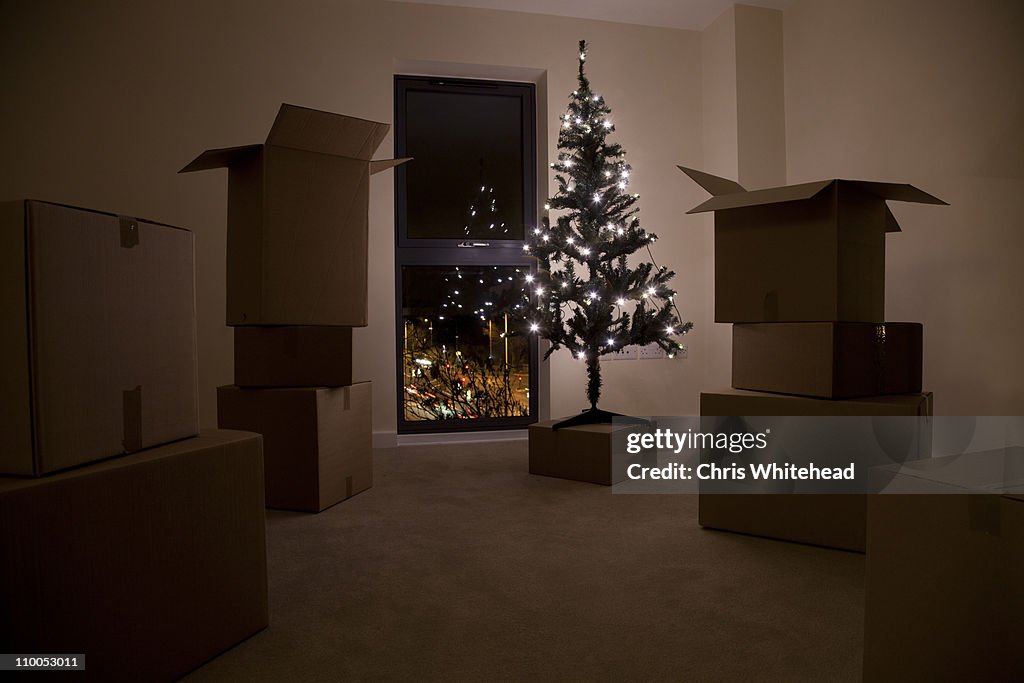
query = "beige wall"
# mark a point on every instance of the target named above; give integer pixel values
(106, 101)
(927, 92)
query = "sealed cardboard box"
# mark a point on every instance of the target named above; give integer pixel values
(828, 360)
(150, 564)
(317, 441)
(593, 453)
(944, 599)
(98, 345)
(830, 520)
(813, 252)
(293, 356)
(297, 219)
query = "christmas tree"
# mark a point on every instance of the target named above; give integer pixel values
(586, 296)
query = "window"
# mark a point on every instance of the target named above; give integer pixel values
(463, 206)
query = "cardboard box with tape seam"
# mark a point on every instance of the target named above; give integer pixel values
(150, 564)
(298, 219)
(829, 520)
(98, 346)
(317, 441)
(828, 360)
(813, 252)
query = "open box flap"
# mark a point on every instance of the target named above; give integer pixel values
(384, 164)
(772, 195)
(313, 130)
(217, 158)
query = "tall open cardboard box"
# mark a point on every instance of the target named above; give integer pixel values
(298, 219)
(813, 252)
(98, 342)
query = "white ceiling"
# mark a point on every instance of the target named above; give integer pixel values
(686, 14)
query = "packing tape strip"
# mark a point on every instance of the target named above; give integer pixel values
(129, 231)
(132, 407)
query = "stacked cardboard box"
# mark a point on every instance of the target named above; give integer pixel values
(800, 272)
(98, 345)
(145, 523)
(296, 286)
(944, 599)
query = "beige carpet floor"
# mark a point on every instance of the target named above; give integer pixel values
(459, 565)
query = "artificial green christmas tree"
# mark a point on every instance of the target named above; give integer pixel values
(586, 296)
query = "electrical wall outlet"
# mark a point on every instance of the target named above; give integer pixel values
(650, 351)
(624, 353)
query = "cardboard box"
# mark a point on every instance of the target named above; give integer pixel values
(593, 453)
(297, 219)
(293, 356)
(944, 596)
(827, 360)
(317, 441)
(150, 564)
(98, 343)
(833, 521)
(813, 252)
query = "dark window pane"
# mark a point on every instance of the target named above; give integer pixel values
(463, 354)
(467, 177)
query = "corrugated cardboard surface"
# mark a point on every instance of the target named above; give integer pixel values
(293, 356)
(297, 219)
(582, 453)
(828, 360)
(317, 440)
(944, 593)
(800, 261)
(109, 327)
(150, 564)
(834, 521)
(315, 237)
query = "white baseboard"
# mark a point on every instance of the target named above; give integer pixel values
(385, 440)
(393, 440)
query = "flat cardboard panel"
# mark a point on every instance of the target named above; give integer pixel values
(317, 441)
(151, 564)
(16, 434)
(834, 521)
(293, 356)
(944, 597)
(583, 453)
(828, 360)
(112, 337)
(315, 238)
